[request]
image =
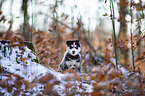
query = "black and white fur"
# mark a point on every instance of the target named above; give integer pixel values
(72, 57)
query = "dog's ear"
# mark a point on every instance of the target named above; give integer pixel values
(78, 42)
(68, 43)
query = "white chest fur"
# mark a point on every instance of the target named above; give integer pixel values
(72, 64)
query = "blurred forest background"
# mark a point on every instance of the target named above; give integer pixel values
(106, 28)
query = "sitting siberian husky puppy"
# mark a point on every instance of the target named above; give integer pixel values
(72, 57)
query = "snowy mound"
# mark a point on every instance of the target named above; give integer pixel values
(21, 62)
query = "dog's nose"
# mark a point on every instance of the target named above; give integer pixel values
(73, 52)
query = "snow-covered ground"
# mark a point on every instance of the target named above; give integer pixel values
(21, 62)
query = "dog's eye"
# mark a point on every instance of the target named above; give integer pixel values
(71, 47)
(76, 47)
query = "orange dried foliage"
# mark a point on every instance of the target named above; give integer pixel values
(68, 85)
(26, 83)
(48, 88)
(24, 59)
(45, 49)
(72, 76)
(18, 83)
(9, 89)
(69, 70)
(17, 76)
(46, 78)
(129, 84)
(96, 93)
(3, 84)
(61, 29)
(113, 73)
(98, 76)
(31, 85)
(0, 12)
(123, 3)
(15, 44)
(17, 38)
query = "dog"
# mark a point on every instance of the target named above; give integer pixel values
(72, 57)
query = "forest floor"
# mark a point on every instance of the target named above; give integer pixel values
(21, 74)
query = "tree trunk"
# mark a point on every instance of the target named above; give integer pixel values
(25, 33)
(139, 34)
(123, 11)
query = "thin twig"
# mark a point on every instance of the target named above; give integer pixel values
(140, 63)
(114, 33)
(132, 50)
(32, 4)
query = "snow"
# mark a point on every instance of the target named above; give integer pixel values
(29, 70)
(25, 70)
(123, 69)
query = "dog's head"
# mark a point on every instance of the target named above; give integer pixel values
(73, 47)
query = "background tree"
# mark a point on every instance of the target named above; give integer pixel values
(26, 33)
(123, 11)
